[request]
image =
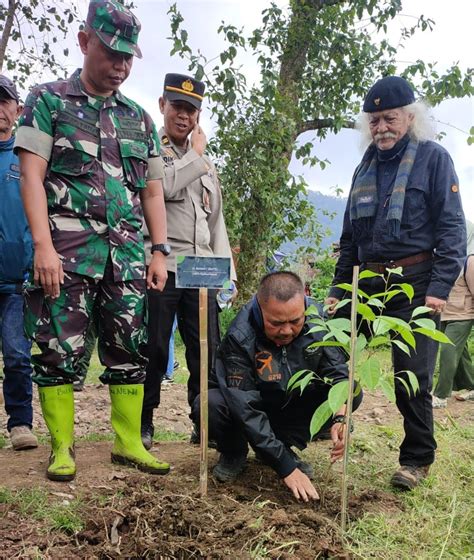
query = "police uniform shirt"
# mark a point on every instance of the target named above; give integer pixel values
(193, 202)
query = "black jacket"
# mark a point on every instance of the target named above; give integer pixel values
(432, 220)
(253, 374)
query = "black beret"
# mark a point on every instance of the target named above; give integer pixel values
(388, 93)
(179, 87)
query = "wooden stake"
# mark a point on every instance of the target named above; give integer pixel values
(203, 389)
(350, 398)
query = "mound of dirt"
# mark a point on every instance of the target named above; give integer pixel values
(126, 514)
(132, 515)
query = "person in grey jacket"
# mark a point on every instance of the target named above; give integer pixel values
(249, 403)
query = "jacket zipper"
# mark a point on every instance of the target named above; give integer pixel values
(284, 361)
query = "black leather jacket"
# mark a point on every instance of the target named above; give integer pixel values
(253, 373)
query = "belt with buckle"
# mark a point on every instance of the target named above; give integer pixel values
(381, 268)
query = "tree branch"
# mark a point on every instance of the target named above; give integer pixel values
(317, 124)
(7, 31)
(303, 19)
(320, 4)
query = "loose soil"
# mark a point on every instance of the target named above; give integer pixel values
(128, 514)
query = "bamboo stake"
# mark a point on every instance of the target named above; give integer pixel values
(203, 389)
(350, 398)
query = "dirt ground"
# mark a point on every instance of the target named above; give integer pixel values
(132, 515)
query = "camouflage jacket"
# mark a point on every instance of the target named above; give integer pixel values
(100, 153)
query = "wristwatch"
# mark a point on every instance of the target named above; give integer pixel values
(162, 248)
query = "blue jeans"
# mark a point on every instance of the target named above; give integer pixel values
(170, 366)
(16, 349)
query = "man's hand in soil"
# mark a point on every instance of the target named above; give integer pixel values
(301, 486)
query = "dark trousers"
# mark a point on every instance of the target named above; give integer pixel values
(418, 446)
(16, 349)
(290, 424)
(162, 307)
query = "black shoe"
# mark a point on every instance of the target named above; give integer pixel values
(229, 467)
(195, 438)
(176, 364)
(303, 466)
(147, 435)
(78, 385)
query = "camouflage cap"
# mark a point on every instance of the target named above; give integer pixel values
(8, 88)
(115, 26)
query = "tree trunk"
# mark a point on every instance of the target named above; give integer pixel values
(7, 31)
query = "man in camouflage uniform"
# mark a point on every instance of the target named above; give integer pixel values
(89, 163)
(195, 227)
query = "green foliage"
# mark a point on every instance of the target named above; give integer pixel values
(316, 61)
(226, 316)
(383, 330)
(324, 267)
(32, 35)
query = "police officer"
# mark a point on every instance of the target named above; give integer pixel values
(195, 227)
(90, 169)
(404, 210)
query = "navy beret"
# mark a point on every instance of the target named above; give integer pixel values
(179, 87)
(388, 93)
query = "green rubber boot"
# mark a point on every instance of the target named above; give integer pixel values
(127, 401)
(57, 404)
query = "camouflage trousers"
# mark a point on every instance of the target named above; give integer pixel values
(59, 327)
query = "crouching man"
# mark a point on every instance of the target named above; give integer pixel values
(268, 342)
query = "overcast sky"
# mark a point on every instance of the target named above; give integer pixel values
(451, 41)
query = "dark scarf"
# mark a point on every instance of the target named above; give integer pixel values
(364, 199)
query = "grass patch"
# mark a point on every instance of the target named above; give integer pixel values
(168, 435)
(3, 442)
(160, 435)
(36, 503)
(437, 520)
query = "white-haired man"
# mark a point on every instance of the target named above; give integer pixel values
(404, 210)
